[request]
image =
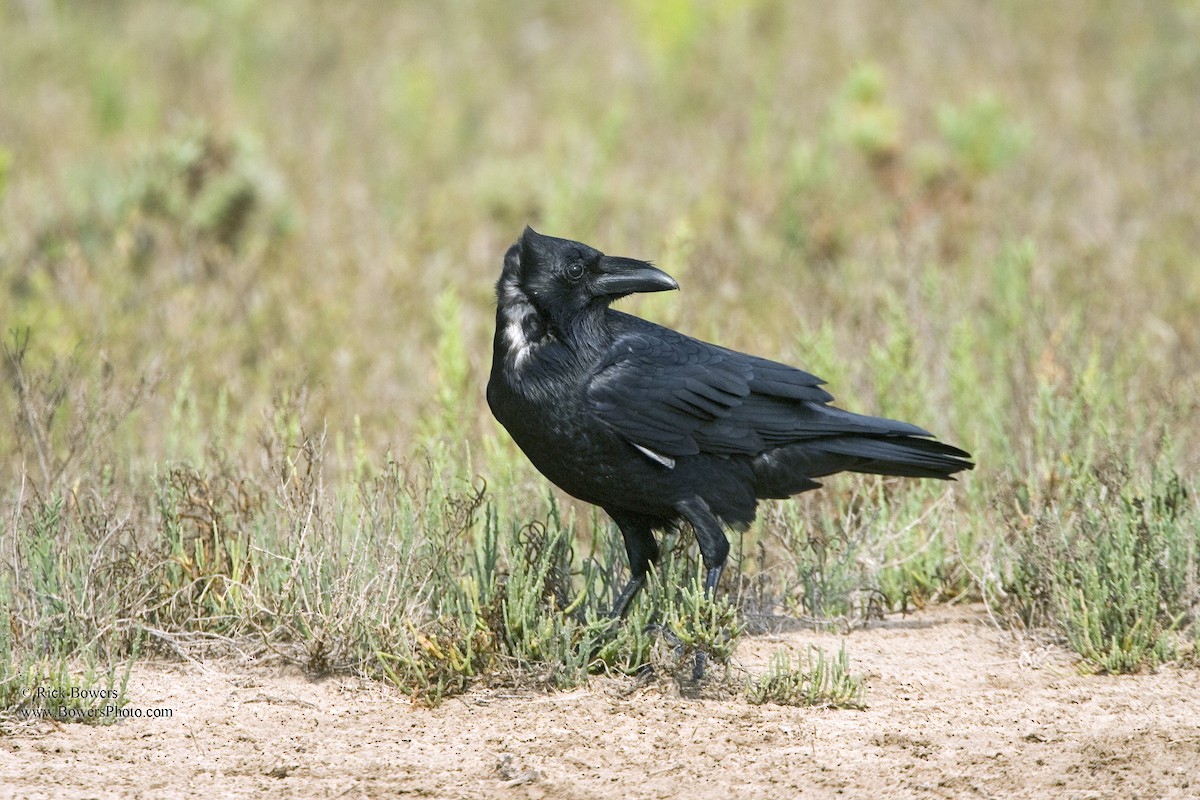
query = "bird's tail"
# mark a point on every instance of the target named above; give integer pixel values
(904, 456)
(790, 469)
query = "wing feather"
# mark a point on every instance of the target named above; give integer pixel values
(677, 396)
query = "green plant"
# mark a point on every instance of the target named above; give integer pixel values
(1114, 566)
(864, 117)
(53, 688)
(700, 627)
(982, 135)
(815, 680)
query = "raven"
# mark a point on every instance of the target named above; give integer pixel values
(656, 427)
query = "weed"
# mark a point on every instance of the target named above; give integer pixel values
(1114, 566)
(983, 137)
(818, 680)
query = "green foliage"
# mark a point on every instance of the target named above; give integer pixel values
(982, 136)
(525, 608)
(1114, 564)
(671, 30)
(452, 364)
(700, 624)
(898, 368)
(51, 688)
(817, 680)
(1111, 596)
(65, 647)
(864, 118)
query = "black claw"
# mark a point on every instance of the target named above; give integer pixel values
(711, 580)
(621, 605)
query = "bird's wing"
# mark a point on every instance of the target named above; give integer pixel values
(677, 396)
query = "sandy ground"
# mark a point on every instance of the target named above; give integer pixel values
(957, 709)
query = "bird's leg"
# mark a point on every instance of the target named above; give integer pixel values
(642, 549)
(714, 548)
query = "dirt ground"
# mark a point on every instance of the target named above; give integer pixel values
(956, 709)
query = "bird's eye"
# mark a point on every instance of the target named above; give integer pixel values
(575, 271)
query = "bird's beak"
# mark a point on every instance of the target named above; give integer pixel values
(622, 276)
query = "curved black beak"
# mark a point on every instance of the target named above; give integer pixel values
(621, 276)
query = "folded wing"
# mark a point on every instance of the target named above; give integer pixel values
(678, 396)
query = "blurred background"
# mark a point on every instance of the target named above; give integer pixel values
(239, 200)
(248, 249)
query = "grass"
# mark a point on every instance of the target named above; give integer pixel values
(248, 250)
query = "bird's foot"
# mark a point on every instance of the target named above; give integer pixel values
(680, 650)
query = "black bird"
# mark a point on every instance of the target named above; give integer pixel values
(656, 427)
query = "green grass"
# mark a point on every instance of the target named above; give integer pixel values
(247, 252)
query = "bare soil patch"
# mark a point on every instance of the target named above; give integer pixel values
(956, 709)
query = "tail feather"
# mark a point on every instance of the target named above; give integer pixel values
(791, 469)
(904, 456)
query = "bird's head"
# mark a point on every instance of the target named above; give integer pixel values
(565, 279)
